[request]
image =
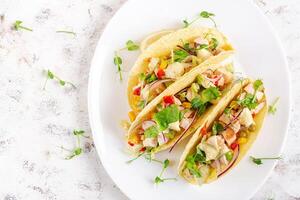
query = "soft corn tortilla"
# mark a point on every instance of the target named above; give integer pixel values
(222, 60)
(153, 37)
(216, 112)
(163, 46)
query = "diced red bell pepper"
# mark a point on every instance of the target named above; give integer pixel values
(234, 145)
(168, 100)
(143, 149)
(160, 73)
(203, 131)
(130, 143)
(137, 91)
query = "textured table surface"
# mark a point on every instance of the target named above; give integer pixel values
(35, 123)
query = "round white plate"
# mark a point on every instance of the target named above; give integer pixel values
(257, 50)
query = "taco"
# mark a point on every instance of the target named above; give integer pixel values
(179, 110)
(167, 56)
(228, 132)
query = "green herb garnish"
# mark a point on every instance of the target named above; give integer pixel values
(51, 75)
(258, 161)
(210, 94)
(150, 78)
(159, 179)
(216, 128)
(118, 63)
(67, 32)
(166, 116)
(272, 108)
(207, 95)
(208, 15)
(203, 14)
(131, 46)
(77, 150)
(198, 104)
(249, 101)
(151, 132)
(180, 55)
(18, 26)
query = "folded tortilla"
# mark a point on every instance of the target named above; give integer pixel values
(161, 45)
(224, 61)
(212, 171)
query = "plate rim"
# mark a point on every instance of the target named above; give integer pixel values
(91, 106)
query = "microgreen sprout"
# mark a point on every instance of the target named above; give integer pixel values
(51, 75)
(18, 26)
(67, 32)
(203, 14)
(77, 150)
(272, 108)
(130, 46)
(258, 161)
(160, 179)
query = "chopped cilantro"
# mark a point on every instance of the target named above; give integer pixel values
(248, 101)
(216, 128)
(180, 55)
(166, 116)
(151, 132)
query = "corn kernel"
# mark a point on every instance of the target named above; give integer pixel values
(212, 175)
(186, 105)
(134, 138)
(242, 140)
(227, 47)
(131, 115)
(163, 64)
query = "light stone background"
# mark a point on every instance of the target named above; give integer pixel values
(34, 123)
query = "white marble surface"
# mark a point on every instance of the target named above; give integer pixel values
(34, 123)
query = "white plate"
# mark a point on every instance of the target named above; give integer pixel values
(259, 52)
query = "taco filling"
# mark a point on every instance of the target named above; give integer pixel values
(162, 71)
(176, 114)
(220, 145)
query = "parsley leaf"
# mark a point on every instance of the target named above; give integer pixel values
(151, 132)
(18, 26)
(180, 55)
(207, 95)
(272, 108)
(198, 104)
(192, 167)
(166, 116)
(217, 127)
(258, 161)
(131, 46)
(248, 101)
(257, 84)
(210, 94)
